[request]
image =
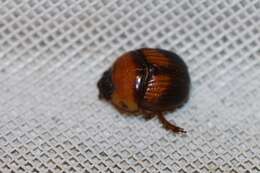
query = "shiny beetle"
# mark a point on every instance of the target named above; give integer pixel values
(148, 81)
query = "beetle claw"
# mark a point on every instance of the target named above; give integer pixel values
(177, 129)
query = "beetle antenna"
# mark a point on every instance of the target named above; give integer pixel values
(169, 125)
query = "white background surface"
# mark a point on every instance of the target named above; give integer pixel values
(52, 53)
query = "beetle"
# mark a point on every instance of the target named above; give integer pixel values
(149, 81)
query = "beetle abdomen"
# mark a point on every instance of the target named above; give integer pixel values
(168, 84)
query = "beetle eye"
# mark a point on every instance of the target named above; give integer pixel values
(105, 85)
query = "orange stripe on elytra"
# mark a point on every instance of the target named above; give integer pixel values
(157, 87)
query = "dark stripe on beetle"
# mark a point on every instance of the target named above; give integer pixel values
(144, 74)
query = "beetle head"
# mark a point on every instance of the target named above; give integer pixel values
(105, 85)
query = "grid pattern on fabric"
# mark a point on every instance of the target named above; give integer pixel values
(52, 53)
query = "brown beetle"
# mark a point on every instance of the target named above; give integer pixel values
(150, 81)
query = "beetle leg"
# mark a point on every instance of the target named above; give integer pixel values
(169, 125)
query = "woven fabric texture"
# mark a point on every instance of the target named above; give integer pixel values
(52, 52)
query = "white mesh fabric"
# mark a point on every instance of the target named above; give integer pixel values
(52, 53)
